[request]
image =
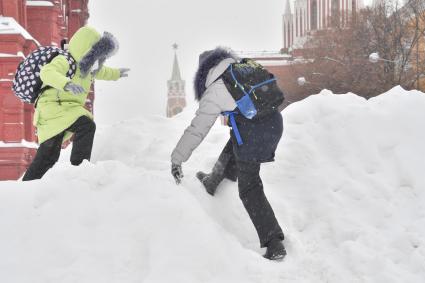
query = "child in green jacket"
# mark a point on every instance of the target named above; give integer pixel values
(60, 110)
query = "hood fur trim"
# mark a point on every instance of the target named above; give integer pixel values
(106, 47)
(207, 61)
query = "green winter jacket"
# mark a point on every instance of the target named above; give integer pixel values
(56, 108)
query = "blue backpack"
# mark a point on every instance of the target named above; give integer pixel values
(254, 89)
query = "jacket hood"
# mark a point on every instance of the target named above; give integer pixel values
(87, 47)
(212, 64)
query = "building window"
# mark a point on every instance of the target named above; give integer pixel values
(301, 23)
(335, 13)
(296, 22)
(314, 14)
(290, 34)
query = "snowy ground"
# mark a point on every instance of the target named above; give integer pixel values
(347, 187)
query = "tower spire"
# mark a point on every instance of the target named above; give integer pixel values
(176, 89)
(176, 75)
(288, 11)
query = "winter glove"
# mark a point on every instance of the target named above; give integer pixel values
(74, 88)
(123, 72)
(177, 172)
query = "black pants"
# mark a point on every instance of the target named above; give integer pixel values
(49, 151)
(256, 204)
(252, 195)
(226, 163)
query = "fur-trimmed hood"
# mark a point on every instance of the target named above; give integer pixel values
(212, 65)
(87, 47)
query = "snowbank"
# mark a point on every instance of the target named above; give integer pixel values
(347, 188)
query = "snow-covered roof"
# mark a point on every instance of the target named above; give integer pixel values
(262, 54)
(40, 3)
(267, 58)
(23, 143)
(3, 55)
(9, 25)
(275, 62)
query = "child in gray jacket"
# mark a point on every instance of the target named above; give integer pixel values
(261, 138)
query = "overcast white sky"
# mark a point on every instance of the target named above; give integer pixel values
(147, 29)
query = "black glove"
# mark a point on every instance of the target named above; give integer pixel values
(74, 88)
(177, 172)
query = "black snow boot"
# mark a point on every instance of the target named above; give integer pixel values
(210, 181)
(275, 250)
(225, 167)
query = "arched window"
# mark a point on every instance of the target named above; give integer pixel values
(177, 110)
(314, 12)
(296, 22)
(290, 34)
(335, 13)
(301, 23)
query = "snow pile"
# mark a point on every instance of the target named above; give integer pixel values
(347, 188)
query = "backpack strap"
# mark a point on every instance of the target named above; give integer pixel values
(231, 115)
(236, 80)
(261, 84)
(41, 92)
(253, 88)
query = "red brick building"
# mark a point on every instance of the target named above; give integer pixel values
(25, 25)
(176, 100)
(283, 66)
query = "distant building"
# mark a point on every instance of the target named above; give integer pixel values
(24, 26)
(176, 89)
(313, 15)
(301, 18)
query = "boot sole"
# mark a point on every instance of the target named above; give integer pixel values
(201, 176)
(276, 258)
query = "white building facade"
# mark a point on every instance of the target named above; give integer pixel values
(313, 15)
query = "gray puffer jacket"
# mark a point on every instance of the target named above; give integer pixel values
(215, 100)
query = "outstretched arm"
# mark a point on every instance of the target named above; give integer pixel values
(108, 74)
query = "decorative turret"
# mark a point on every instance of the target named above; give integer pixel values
(288, 8)
(288, 22)
(176, 89)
